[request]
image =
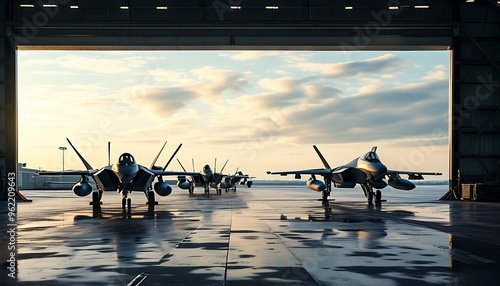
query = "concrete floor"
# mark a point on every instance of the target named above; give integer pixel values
(242, 239)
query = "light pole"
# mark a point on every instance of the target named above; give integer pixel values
(63, 149)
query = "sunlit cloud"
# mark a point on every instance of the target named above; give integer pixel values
(439, 73)
(384, 63)
(58, 73)
(253, 55)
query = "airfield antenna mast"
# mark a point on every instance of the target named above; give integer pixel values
(109, 153)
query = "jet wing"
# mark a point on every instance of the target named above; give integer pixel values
(412, 175)
(239, 177)
(67, 173)
(174, 173)
(302, 172)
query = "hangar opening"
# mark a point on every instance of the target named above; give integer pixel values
(468, 28)
(249, 106)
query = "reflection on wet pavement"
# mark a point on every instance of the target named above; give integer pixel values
(243, 238)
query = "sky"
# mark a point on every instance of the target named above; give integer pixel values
(261, 110)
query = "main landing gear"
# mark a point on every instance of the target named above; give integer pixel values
(206, 187)
(371, 195)
(326, 193)
(126, 203)
(151, 203)
(96, 203)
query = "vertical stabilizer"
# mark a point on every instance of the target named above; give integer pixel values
(157, 155)
(181, 165)
(172, 157)
(109, 153)
(224, 166)
(325, 163)
(87, 165)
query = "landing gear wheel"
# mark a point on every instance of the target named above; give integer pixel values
(96, 198)
(151, 198)
(378, 196)
(96, 204)
(124, 203)
(129, 204)
(324, 195)
(370, 197)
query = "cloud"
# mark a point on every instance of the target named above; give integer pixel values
(384, 63)
(253, 55)
(212, 81)
(75, 62)
(282, 92)
(46, 72)
(376, 113)
(86, 87)
(206, 84)
(167, 101)
(439, 73)
(100, 65)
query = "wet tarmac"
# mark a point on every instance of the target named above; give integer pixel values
(266, 235)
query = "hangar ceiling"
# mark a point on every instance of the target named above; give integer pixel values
(470, 28)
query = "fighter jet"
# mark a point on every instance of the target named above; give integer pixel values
(207, 178)
(231, 181)
(124, 176)
(367, 170)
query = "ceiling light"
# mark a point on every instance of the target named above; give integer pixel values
(124, 7)
(272, 7)
(27, 5)
(235, 7)
(393, 7)
(161, 8)
(469, 1)
(73, 7)
(348, 7)
(49, 6)
(422, 7)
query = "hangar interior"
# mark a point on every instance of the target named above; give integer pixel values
(469, 28)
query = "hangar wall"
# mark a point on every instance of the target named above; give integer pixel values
(470, 28)
(475, 100)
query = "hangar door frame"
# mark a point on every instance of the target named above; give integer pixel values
(469, 29)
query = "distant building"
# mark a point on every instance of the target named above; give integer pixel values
(27, 180)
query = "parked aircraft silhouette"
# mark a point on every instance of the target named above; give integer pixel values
(231, 181)
(207, 178)
(124, 176)
(367, 170)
